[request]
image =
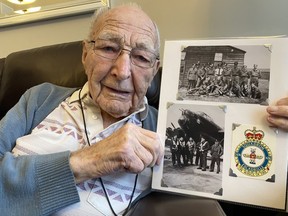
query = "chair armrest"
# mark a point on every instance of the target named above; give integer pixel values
(164, 204)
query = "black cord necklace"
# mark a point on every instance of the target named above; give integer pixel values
(101, 181)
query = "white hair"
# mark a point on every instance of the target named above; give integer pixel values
(102, 11)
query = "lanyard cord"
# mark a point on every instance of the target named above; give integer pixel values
(101, 181)
(130, 202)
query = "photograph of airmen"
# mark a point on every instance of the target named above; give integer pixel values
(225, 73)
(194, 146)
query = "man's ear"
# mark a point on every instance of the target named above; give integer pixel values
(84, 51)
(157, 67)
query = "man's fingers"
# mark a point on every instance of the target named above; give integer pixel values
(146, 156)
(282, 102)
(279, 122)
(146, 147)
(278, 114)
(152, 142)
(278, 111)
(134, 165)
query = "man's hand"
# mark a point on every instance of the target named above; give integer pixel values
(130, 149)
(278, 114)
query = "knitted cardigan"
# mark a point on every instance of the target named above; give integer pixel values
(38, 184)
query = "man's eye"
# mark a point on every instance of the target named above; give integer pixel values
(141, 58)
(110, 49)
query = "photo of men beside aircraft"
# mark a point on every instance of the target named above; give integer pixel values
(194, 147)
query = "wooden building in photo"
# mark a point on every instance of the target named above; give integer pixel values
(209, 55)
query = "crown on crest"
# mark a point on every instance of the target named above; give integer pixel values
(254, 134)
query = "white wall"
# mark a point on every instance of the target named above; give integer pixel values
(177, 19)
(188, 19)
(15, 38)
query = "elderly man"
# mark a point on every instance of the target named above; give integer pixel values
(99, 137)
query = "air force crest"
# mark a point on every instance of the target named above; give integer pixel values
(252, 156)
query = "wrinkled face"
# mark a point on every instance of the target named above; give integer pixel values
(118, 86)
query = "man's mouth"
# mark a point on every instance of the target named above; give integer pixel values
(118, 92)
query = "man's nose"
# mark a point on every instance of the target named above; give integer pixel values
(123, 65)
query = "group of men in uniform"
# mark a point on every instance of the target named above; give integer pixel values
(184, 149)
(221, 80)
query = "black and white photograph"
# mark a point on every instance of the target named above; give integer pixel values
(194, 147)
(226, 73)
